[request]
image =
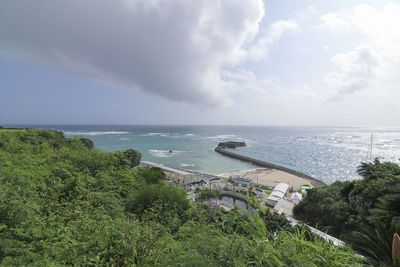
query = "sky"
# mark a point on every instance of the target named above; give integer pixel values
(200, 62)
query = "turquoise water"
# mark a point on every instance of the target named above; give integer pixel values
(328, 154)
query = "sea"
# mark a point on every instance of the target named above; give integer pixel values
(326, 153)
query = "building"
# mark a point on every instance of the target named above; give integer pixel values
(284, 206)
(195, 184)
(278, 193)
(215, 183)
(258, 192)
(242, 181)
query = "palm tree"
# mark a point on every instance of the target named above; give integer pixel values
(377, 241)
(387, 209)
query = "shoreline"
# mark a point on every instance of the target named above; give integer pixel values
(270, 177)
(262, 176)
(274, 171)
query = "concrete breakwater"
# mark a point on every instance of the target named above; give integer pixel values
(260, 163)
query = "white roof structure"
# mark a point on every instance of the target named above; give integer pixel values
(297, 196)
(284, 206)
(275, 196)
(281, 187)
(277, 193)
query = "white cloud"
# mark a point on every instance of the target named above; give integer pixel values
(261, 48)
(175, 49)
(253, 85)
(358, 69)
(374, 60)
(306, 13)
(335, 20)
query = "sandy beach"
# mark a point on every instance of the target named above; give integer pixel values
(270, 177)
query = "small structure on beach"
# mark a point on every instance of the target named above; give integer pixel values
(240, 184)
(242, 180)
(284, 206)
(258, 192)
(195, 184)
(297, 196)
(278, 193)
(303, 188)
(215, 183)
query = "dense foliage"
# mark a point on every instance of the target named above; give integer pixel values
(63, 202)
(207, 194)
(365, 213)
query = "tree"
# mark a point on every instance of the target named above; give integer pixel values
(88, 143)
(387, 210)
(133, 156)
(374, 242)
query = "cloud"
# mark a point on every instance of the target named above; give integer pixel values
(255, 86)
(335, 20)
(260, 49)
(376, 59)
(358, 69)
(174, 49)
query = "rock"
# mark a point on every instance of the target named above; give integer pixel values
(231, 144)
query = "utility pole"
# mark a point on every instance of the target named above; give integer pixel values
(369, 151)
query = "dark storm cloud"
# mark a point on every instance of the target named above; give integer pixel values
(175, 49)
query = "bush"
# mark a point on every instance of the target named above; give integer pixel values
(206, 194)
(133, 156)
(169, 196)
(88, 143)
(151, 175)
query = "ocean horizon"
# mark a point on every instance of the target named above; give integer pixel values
(326, 153)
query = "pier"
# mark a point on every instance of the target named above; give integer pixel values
(260, 163)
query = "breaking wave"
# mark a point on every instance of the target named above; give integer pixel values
(154, 134)
(93, 133)
(222, 136)
(164, 153)
(186, 165)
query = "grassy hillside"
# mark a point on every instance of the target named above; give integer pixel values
(63, 202)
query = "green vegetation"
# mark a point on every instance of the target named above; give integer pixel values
(206, 194)
(365, 213)
(11, 129)
(88, 143)
(63, 202)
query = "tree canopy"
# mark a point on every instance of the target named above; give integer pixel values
(365, 213)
